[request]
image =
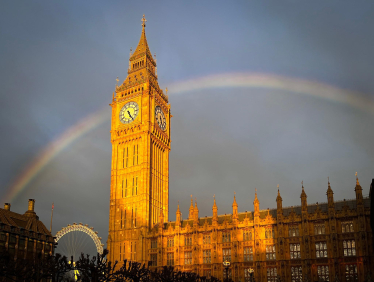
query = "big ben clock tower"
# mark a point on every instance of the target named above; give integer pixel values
(140, 136)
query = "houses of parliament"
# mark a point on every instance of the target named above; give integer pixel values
(309, 242)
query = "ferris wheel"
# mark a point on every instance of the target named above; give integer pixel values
(76, 239)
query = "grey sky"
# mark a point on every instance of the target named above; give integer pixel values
(59, 62)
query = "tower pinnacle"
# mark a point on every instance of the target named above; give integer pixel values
(143, 21)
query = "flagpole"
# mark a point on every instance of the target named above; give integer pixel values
(50, 229)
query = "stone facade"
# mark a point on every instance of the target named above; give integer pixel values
(326, 241)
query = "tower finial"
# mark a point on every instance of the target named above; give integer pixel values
(117, 81)
(357, 182)
(143, 21)
(328, 180)
(302, 184)
(278, 187)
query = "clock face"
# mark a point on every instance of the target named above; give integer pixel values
(129, 112)
(160, 118)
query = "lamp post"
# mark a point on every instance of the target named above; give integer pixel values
(251, 271)
(226, 265)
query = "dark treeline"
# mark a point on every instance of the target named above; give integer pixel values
(58, 268)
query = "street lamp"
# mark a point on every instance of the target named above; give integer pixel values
(251, 271)
(226, 265)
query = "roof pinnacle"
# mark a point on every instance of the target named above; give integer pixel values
(357, 182)
(143, 21)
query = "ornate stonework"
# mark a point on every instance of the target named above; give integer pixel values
(316, 242)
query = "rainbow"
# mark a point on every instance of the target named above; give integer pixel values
(254, 80)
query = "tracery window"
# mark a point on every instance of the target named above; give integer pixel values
(323, 272)
(269, 233)
(351, 272)
(207, 256)
(293, 231)
(272, 274)
(296, 274)
(188, 257)
(206, 239)
(207, 273)
(247, 235)
(170, 259)
(248, 253)
(170, 242)
(270, 252)
(226, 237)
(228, 274)
(321, 250)
(153, 260)
(226, 254)
(347, 227)
(188, 240)
(247, 275)
(295, 251)
(319, 229)
(154, 244)
(349, 248)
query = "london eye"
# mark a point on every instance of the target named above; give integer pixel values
(76, 239)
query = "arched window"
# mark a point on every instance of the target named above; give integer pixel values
(250, 235)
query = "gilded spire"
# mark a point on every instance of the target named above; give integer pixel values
(214, 204)
(142, 49)
(329, 190)
(357, 182)
(234, 203)
(178, 210)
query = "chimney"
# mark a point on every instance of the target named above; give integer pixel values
(7, 206)
(31, 205)
(30, 212)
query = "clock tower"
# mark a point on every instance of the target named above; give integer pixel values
(140, 137)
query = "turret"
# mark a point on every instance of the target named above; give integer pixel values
(191, 211)
(234, 209)
(279, 202)
(215, 212)
(256, 204)
(303, 196)
(330, 196)
(30, 212)
(196, 214)
(359, 198)
(178, 216)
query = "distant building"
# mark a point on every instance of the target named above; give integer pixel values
(24, 235)
(308, 242)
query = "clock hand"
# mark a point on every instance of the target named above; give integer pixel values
(129, 114)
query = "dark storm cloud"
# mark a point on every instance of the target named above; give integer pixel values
(59, 63)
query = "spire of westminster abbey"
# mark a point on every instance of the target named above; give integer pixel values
(305, 242)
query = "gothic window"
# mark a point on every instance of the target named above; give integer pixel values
(319, 229)
(170, 259)
(123, 186)
(226, 254)
(187, 258)
(349, 248)
(296, 274)
(323, 272)
(136, 209)
(321, 250)
(188, 240)
(293, 231)
(226, 237)
(207, 273)
(270, 252)
(351, 272)
(133, 251)
(133, 156)
(247, 275)
(153, 260)
(207, 256)
(295, 251)
(121, 217)
(347, 227)
(153, 243)
(170, 242)
(269, 233)
(137, 154)
(228, 274)
(271, 274)
(248, 253)
(247, 235)
(206, 239)
(126, 188)
(121, 251)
